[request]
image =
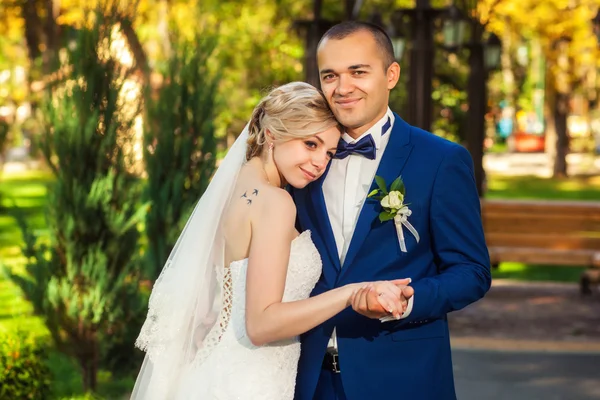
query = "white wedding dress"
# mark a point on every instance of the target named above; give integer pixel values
(229, 366)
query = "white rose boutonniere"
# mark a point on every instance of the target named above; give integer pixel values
(392, 202)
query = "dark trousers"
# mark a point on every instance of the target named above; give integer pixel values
(329, 386)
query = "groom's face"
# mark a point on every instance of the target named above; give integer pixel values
(355, 80)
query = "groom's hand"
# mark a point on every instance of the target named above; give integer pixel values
(380, 299)
(407, 292)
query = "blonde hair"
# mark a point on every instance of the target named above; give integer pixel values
(292, 111)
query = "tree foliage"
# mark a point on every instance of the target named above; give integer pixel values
(564, 32)
(179, 144)
(548, 22)
(84, 280)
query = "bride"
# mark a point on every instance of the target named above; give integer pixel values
(225, 314)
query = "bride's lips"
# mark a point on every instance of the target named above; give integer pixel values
(347, 103)
(310, 176)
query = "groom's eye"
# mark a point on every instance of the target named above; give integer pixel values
(328, 77)
(330, 154)
(359, 72)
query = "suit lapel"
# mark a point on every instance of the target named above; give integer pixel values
(394, 157)
(322, 219)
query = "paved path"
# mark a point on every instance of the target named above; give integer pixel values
(492, 375)
(528, 341)
(516, 316)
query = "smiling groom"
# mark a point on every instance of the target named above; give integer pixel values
(355, 355)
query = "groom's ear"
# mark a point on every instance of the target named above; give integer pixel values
(393, 75)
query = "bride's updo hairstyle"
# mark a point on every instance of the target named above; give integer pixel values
(292, 111)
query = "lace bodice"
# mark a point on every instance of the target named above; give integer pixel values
(304, 269)
(229, 366)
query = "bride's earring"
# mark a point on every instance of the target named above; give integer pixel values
(271, 148)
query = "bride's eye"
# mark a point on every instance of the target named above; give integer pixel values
(310, 144)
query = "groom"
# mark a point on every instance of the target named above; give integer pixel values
(355, 355)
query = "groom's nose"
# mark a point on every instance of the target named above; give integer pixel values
(344, 86)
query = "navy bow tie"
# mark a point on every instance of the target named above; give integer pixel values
(364, 147)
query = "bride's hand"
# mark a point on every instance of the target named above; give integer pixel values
(389, 295)
(380, 299)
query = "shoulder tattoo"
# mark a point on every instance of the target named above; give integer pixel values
(245, 196)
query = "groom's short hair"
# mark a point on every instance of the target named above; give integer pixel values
(347, 28)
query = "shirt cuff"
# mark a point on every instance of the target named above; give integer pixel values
(409, 308)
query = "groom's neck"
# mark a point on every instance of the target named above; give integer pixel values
(355, 133)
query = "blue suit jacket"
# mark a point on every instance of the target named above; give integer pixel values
(449, 268)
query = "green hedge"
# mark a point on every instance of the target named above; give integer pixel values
(23, 370)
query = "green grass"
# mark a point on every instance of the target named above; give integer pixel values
(498, 147)
(534, 188)
(27, 192)
(544, 273)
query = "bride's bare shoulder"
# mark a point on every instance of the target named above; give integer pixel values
(278, 202)
(258, 198)
(268, 206)
(274, 216)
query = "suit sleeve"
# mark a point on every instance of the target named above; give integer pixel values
(458, 242)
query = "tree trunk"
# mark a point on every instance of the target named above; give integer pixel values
(89, 368)
(508, 86)
(313, 35)
(562, 87)
(163, 28)
(139, 54)
(352, 8)
(420, 104)
(477, 95)
(508, 75)
(90, 376)
(561, 110)
(33, 33)
(51, 33)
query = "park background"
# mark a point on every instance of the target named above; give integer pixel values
(115, 114)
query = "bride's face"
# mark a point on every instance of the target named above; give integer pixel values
(302, 161)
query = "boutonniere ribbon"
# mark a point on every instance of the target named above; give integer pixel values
(393, 207)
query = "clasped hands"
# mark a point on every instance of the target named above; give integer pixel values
(382, 298)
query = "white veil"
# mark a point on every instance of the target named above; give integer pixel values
(186, 298)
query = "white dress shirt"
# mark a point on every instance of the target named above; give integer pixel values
(345, 189)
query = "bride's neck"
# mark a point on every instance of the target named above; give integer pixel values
(268, 171)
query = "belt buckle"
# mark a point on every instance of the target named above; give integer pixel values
(335, 364)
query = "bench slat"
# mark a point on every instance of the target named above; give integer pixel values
(543, 232)
(531, 226)
(547, 214)
(541, 205)
(530, 229)
(540, 256)
(543, 241)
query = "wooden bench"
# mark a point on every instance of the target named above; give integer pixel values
(545, 232)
